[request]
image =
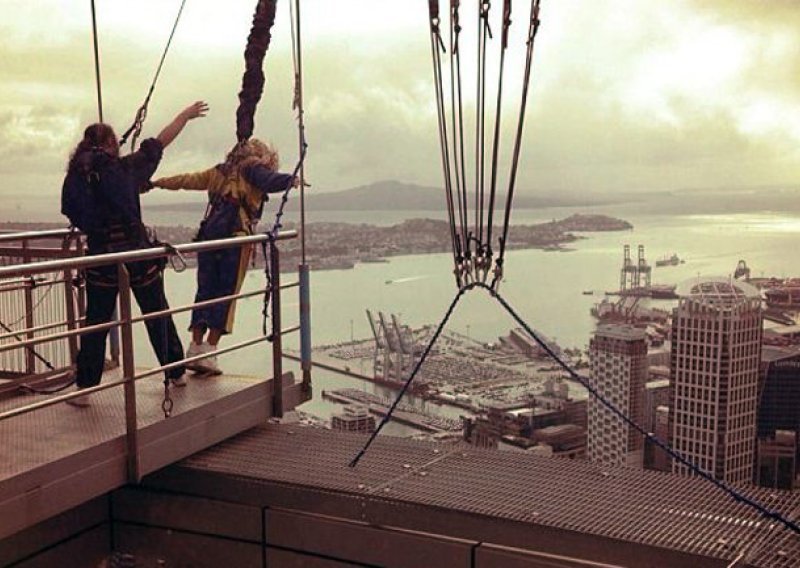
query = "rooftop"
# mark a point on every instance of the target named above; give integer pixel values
(623, 331)
(557, 505)
(717, 287)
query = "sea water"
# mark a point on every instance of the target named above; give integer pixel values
(546, 289)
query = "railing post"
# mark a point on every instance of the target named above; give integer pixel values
(128, 372)
(27, 292)
(277, 350)
(305, 326)
(70, 304)
(113, 339)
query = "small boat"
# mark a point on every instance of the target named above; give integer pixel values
(673, 260)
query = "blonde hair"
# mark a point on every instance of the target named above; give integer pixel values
(252, 152)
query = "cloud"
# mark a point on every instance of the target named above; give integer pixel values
(625, 95)
(780, 13)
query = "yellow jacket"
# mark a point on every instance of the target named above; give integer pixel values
(215, 183)
(248, 186)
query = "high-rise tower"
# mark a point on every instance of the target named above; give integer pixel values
(716, 351)
(618, 358)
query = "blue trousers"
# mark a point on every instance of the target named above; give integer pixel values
(100, 302)
(219, 273)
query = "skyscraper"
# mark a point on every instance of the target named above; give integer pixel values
(779, 417)
(618, 362)
(716, 352)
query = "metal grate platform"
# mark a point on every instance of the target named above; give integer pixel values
(61, 456)
(507, 498)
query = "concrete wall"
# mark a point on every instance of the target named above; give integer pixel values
(163, 529)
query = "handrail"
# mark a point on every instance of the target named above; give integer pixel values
(35, 235)
(112, 324)
(135, 255)
(38, 328)
(126, 321)
(153, 371)
(205, 303)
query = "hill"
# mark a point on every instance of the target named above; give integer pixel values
(397, 195)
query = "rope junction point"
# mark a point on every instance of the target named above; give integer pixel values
(474, 241)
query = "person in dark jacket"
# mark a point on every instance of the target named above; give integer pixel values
(236, 189)
(101, 197)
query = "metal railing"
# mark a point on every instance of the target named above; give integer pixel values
(31, 338)
(30, 305)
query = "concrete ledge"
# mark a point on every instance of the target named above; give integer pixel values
(192, 514)
(55, 531)
(363, 543)
(493, 556)
(274, 557)
(176, 548)
(87, 549)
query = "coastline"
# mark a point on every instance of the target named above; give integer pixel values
(341, 246)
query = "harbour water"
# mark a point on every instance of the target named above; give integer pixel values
(546, 288)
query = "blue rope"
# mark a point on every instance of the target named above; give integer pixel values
(733, 493)
(273, 232)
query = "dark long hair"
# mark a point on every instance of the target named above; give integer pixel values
(97, 136)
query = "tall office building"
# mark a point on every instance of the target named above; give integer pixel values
(618, 362)
(716, 352)
(779, 418)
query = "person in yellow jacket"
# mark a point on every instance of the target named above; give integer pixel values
(236, 191)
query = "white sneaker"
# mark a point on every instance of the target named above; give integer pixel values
(210, 363)
(194, 350)
(80, 401)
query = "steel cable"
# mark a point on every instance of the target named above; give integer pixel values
(436, 45)
(141, 113)
(532, 29)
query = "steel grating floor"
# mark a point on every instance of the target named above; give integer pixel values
(650, 508)
(61, 430)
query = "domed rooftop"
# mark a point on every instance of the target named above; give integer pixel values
(717, 287)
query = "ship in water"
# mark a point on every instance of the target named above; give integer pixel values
(783, 294)
(673, 260)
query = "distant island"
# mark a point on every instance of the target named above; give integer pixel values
(402, 196)
(343, 245)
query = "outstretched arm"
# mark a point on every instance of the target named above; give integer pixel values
(198, 180)
(171, 131)
(268, 181)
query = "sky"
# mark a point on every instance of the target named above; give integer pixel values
(626, 95)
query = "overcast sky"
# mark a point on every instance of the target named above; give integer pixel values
(627, 95)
